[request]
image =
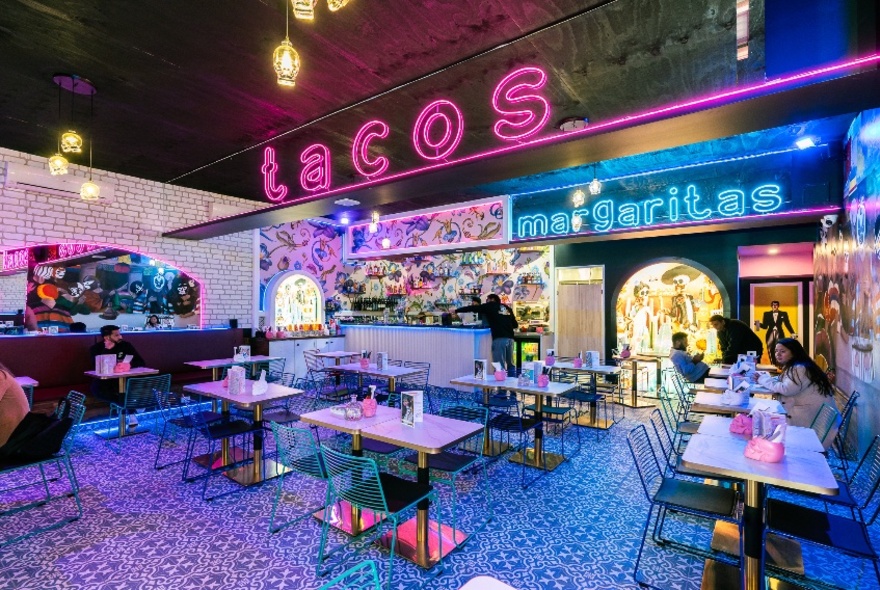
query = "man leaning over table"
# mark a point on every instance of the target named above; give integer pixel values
(112, 343)
(692, 368)
(502, 324)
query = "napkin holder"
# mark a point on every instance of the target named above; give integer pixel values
(739, 396)
(761, 449)
(260, 385)
(105, 364)
(236, 377)
(742, 424)
(122, 367)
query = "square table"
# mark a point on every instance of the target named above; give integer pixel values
(634, 361)
(391, 373)
(261, 469)
(535, 457)
(718, 384)
(418, 539)
(592, 419)
(121, 430)
(337, 355)
(706, 402)
(796, 437)
(216, 364)
(344, 516)
(27, 384)
(802, 470)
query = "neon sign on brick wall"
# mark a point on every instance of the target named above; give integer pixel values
(436, 136)
(688, 204)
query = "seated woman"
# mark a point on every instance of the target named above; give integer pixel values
(803, 385)
(153, 323)
(13, 404)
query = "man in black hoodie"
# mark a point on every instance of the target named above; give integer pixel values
(502, 324)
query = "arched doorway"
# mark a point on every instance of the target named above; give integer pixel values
(294, 299)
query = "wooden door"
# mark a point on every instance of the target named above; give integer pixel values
(580, 322)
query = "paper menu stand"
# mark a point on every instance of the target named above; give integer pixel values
(104, 364)
(128, 358)
(381, 360)
(752, 357)
(411, 404)
(537, 370)
(236, 377)
(527, 374)
(241, 354)
(481, 369)
(591, 358)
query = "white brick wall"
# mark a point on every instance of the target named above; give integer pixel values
(141, 212)
(12, 292)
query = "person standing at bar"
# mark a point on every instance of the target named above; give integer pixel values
(775, 322)
(479, 317)
(502, 324)
(735, 338)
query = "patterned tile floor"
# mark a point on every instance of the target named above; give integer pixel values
(577, 528)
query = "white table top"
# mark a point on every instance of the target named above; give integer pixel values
(337, 354)
(709, 402)
(139, 372)
(806, 471)
(229, 362)
(601, 369)
(326, 419)
(554, 388)
(431, 436)
(724, 370)
(373, 370)
(26, 382)
(721, 385)
(246, 399)
(796, 437)
(485, 583)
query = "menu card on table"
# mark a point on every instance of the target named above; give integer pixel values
(481, 369)
(411, 407)
(104, 364)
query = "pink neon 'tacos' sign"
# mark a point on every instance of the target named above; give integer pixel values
(436, 134)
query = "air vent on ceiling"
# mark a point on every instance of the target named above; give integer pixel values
(38, 180)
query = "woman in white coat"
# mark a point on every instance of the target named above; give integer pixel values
(803, 386)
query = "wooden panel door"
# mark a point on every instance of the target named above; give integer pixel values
(580, 322)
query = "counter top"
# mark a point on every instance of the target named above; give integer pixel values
(306, 337)
(417, 327)
(124, 332)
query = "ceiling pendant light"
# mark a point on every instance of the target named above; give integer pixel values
(335, 5)
(576, 222)
(595, 187)
(578, 198)
(374, 222)
(89, 191)
(386, 243)
(285, 59)
(71, 142)
(58, 165)
(304, 9)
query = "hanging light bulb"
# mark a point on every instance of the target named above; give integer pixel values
(304, 9)
(374, 222)
(335, 5)
(285, 59)
(576, 222)
(57, 165)
(71, 142)
(595, 187)
(578, 198)
(386, 243)
(89, 191)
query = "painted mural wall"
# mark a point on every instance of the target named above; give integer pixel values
(430, 283)
(847, 280)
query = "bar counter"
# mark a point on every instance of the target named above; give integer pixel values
(58, 361)
(450, 350)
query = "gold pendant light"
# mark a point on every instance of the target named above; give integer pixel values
(285, 59)
(71, 142)
(304, 9)
(58, 165)
(335, 5)
(595, 187)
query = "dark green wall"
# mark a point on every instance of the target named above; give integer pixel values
(715, 251)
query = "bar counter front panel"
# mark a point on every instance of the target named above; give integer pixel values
(58, 361)
(451, 351)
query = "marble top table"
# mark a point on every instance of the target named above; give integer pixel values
(392, 373)
(337, 355)
(796, 437)
(597, 370)
(706, 402)
(261, 469)
(591, 418)
(718, 384)
(535, 457)
(724, 370)
(801, 470)
(216, 364)
(418, 539)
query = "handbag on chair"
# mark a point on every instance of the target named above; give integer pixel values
(38, 436)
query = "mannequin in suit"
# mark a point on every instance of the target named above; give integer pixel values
(775, 322)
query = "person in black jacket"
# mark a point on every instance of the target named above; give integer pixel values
(502, 324)
(735, 338)
(112, 343)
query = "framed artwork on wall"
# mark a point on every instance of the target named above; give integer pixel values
(779, 309)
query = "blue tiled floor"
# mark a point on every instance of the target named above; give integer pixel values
(577, 528)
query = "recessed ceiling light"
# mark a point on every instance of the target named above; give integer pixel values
(805, 142)
(346, 202)
(773, 251)
(344, 220)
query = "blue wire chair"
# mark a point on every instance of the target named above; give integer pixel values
(363, 576)
(358, 481)
(516, 423)
(62, 460)
(826, 419)
(138, 396)
(175, 420)
(297, 451)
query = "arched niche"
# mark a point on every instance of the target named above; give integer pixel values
(294, 298)
(75, 284)
(665, 296)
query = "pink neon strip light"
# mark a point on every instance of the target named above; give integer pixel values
(425, 121)
(360, 157)
(628, 120)
(274, 192)
(525, 120)
(315, 175)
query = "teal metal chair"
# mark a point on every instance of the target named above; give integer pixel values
(62, 460)
(358, 481)
(826, 419)
(175, 420)
(138, 396)
(363, 576)
(467, 456)
(298, 451)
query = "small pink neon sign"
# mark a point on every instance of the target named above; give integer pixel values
(274, 191)
(315, 175)
(15, 259)
(445, 113)
(514, 89)
(359, 156)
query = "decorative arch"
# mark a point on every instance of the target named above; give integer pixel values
(290, 278)
(664, 296)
